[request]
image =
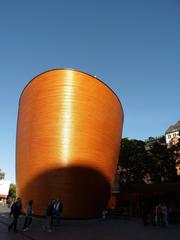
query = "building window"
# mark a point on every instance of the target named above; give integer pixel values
(174, 134)
(169, 136)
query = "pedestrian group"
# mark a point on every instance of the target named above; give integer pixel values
(53, 215)
(157, 217)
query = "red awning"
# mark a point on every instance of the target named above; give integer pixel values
(3, 196)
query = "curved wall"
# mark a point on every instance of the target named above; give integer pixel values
(68, 139)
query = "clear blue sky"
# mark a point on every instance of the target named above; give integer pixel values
(133, 46)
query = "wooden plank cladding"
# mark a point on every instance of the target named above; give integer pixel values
(68, 141)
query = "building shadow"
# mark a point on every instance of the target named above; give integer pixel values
(85, 192)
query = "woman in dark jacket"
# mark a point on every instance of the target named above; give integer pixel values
(28, 218)
(16, 211)
(49, 214)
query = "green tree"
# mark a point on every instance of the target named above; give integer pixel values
(158, 164)
(133, 161)
(176, 149)
(175, 153)
(12, 191)
(163, 163)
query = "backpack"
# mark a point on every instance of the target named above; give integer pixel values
(13, 207)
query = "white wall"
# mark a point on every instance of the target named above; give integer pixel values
(169, 136)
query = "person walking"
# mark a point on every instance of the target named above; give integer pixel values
(164, 215)
(16, 211)
(104, 214)
(58, 209)
(49, 213)
(28, 218)
(11, 208)
(158, 216)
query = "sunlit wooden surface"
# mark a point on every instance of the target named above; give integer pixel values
(68, 139)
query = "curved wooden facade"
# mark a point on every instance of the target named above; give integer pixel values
(68, 140)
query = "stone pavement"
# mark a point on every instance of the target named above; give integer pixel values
(115, 228)
(4, 235)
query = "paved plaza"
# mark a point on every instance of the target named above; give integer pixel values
(124, 228)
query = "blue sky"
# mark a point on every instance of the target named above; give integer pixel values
(133, 46)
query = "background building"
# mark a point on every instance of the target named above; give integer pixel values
(172, 134)
(4, 186)
(173, 140)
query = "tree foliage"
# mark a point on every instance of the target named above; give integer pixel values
(12, 191)
(164, 163)
(138, 165)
